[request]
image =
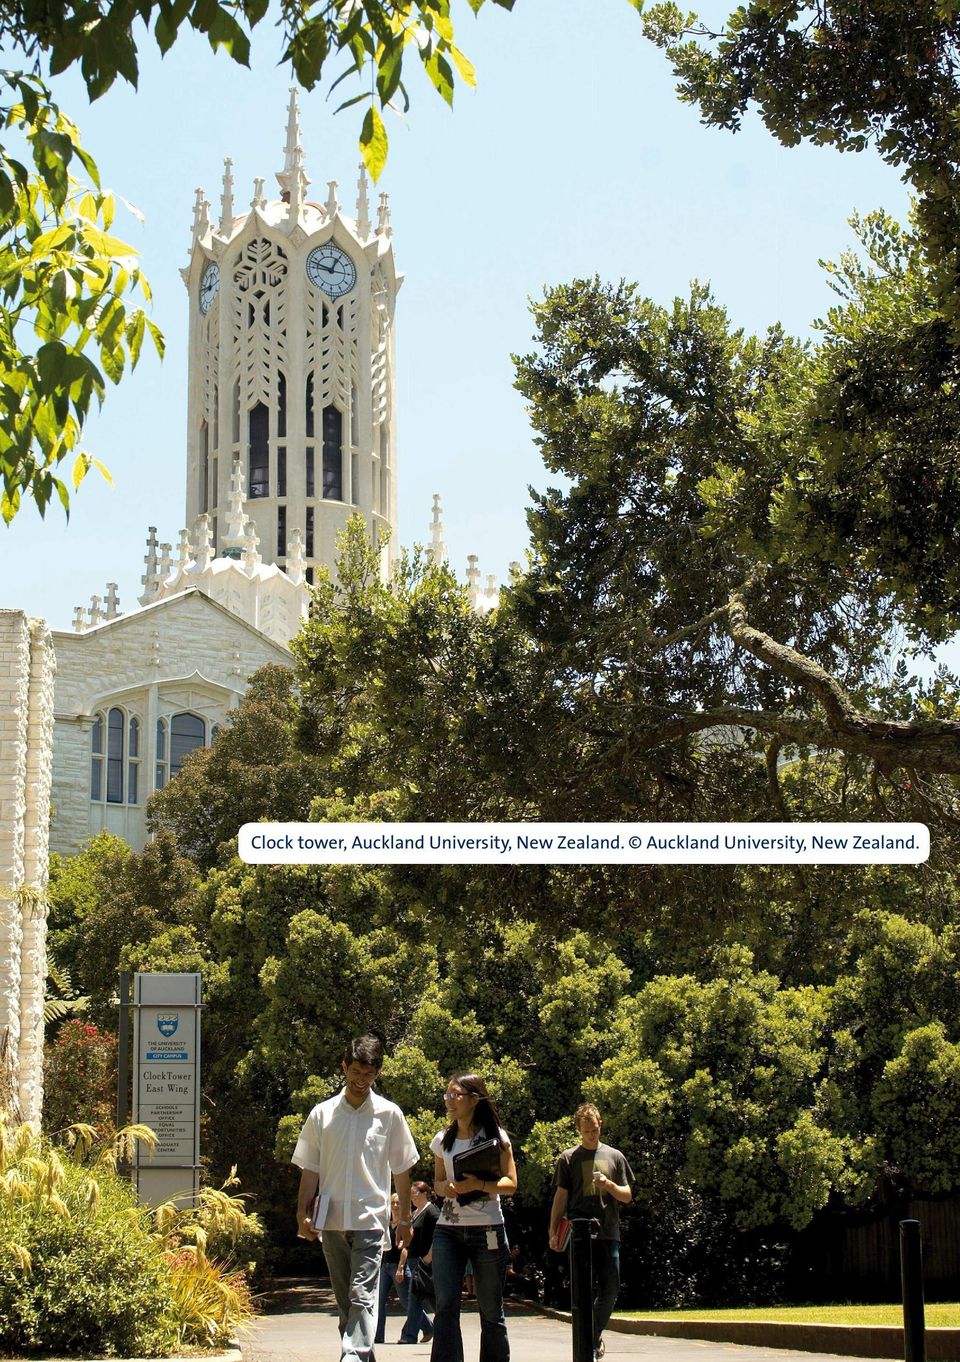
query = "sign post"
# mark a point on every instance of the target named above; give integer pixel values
(166, 1089)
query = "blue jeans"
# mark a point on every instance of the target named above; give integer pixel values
(453, 1246)
(417, 1317)
(353, 1261)
(606, 1283)
(388, 1279)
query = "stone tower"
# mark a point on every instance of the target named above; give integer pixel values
(291, 365)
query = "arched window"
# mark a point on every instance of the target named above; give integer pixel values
(115, 757)
(133, 761)
(162, 766)
(332, 454)
(187, 732)
(115, 726)
(96, 758)
(259, 479)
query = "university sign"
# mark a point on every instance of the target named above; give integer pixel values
(166, 1089)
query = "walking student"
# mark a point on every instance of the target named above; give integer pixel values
(594, 1180)
(470, 1227)
(417, 1260)
(348, 1148)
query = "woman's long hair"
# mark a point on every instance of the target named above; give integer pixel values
(485, 1113)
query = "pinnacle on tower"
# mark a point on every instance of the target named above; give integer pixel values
(226, 199)
(363, 205)
(164, 570)
(438, 549)
(183, 551)
(296, 559)
(96, 611)
(204, 544)
(201, 217)
(258, 201)
(473, 581)
(515, 570)
(383, 217)
(149, 578)
(292, 179)
(251, 541)
(113, 601)
(235, 518)
(79, 619)
(333, 203)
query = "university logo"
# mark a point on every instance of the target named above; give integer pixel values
(167, 1023)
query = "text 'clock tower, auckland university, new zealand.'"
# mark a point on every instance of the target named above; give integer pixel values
(291, 369)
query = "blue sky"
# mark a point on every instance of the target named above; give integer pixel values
(573, 157)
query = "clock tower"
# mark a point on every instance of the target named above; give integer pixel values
(291, 368)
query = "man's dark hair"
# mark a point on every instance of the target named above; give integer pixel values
(364, 1050)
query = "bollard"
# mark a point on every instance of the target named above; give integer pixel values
(911, 1276)
(581, 1288)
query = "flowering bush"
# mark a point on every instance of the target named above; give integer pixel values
(79, 1078)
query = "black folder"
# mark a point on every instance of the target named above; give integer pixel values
(483, 1161)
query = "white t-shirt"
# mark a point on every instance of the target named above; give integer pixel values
(485, 1210)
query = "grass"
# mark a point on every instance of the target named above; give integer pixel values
(936, 1316)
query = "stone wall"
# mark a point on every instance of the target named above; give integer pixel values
(27, 670)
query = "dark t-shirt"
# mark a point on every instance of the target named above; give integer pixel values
(575, 1175)
(424, 1223)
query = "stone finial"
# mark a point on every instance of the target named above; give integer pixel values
(363, 205)
(296, 559)
(149, 578)
(258, 201)
(203, 540)
(251, 542)
(292, 179)
(473, 581)
(184, 552)
(79, 619)
(235, 518)
(492, 588)
(438, 548)
(113, 601)
(226, 199)
(201, 217)
(333, 203)
(96, 611)
(383, 217)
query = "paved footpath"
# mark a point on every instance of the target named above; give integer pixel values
(301, 1327)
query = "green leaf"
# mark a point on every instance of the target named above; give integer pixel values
(373, 142)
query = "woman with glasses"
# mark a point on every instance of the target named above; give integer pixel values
(470, 1227)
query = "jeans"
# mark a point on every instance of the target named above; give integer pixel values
(606, 1284)
(353, 1261)
(453, 1246)
(417, 1317)
(388, 1278)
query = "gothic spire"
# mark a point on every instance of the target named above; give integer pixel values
(235, 519)
(333, 203)
(226, 199)
(383, 217)
(201, 217)
(292, 178)
(438, 549)
(363, 206)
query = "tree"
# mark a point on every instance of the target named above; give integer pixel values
(64, 278)
(725, 557)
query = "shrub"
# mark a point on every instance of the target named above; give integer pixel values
(84, 1269)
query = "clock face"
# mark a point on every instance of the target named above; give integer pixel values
(331, 270)
(209, 286)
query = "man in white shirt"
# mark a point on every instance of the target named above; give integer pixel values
(348, 1148)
